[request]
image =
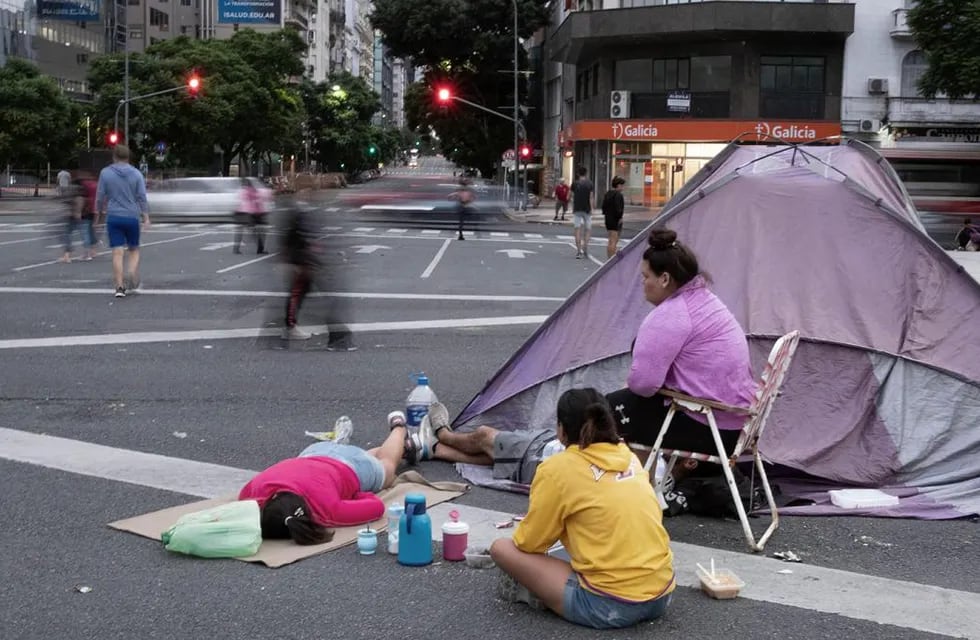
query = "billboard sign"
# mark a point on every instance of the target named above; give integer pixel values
(249, 11)
(73, 10)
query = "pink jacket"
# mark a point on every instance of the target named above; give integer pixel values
(330, 488)
(250, 200)
(692, 343)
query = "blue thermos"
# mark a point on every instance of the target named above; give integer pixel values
(415, 533)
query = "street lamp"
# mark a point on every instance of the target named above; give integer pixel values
(516, 102)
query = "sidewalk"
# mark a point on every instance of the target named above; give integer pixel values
(635, 218)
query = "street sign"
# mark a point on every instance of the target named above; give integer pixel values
(679, 101)
(509, 155)
(515, 253)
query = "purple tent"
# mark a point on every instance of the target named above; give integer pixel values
(884, 391)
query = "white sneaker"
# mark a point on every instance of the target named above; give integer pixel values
(294, 333)
(396, 419)
(438, 417)
(427, 438)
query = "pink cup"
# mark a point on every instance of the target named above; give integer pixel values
(454, 541)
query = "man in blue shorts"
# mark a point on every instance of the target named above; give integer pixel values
(121, 196)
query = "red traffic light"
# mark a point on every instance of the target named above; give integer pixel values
(525, 151)
(113, 138)
(193, 84)
(444, 95)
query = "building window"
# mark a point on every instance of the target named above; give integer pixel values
(914, 66)
(159, 19)
(133, 3)
(711, 74)
(792, 87)
(671, 73)
(185, 3)
(595, 79)
(633, 75)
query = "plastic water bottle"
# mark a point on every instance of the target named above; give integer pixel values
(550, 449)
(342, 429)
(395, 512)
(417, 404)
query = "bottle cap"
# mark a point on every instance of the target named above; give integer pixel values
(455, 528)
(423, 379)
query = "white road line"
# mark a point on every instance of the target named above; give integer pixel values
(858, 596)
(163, 225)
(33, 224)
(431, 232)
(397, 230)
(533, 235)
(146, 337)
(364, 229)
(333, 228)
(194, 226)
(432, 265)
(565, 237)
(247, 262)
(595, 260)
(395, 207)
(499, 234)
(103, 253)
(211, 293)
(32, 240)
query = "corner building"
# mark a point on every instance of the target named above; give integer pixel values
(651, 90)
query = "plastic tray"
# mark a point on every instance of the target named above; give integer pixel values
(725, 585)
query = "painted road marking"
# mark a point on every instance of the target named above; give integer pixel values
(197, 225)
(432, 265)
(333, 228)
(146, 337)
(458, 297)
(103, 253)
(56, 246)
(431, 232)
(533, 235)
(364, 229)
(368, 248)
(397, 230)
(515, 253)
(863, 597)
(247, 263)
(216, 246)
(499, 234)
(395, 207)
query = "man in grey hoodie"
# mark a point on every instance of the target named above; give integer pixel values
(121, 197)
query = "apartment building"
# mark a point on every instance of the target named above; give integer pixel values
(652, 89)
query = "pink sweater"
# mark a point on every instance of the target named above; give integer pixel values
(692, 343)
(329, 486)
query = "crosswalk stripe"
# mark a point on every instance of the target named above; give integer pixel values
(333, 228)
(431, 232)
(397, 230)
(194, 226)
(364, 229)
(533, 235)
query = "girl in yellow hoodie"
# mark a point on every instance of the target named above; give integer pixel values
(596, 498)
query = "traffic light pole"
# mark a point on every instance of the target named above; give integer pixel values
(516, 102)
(126, 101)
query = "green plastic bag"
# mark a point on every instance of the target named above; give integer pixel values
(227, 531)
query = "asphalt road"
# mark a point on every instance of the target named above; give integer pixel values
(134, 374)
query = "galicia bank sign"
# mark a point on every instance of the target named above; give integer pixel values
(785, 132)
(627, 131)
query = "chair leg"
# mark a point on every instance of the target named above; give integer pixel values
(733, 488)
(655, 453)
(773, 510)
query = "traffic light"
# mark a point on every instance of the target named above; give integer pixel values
(193, 85)
(372, 150)
(444, 96)
(525, 152)
(113, 138)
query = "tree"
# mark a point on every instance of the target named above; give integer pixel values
(340, 112)
(38, 122)
(465, 44)
(247, 107)
(948, 31)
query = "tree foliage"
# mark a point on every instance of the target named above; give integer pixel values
(38, 122)
(948, 31)
(247, 105)
(464, 44)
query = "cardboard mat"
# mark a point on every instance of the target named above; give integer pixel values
(276, 553)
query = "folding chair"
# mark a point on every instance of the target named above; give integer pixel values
(748, 443)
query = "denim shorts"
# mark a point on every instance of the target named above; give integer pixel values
(370, 473)
(588, 609)
(582, 219)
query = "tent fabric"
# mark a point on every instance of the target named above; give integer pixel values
(884, 390)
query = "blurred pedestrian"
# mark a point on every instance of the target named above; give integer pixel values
(561, 199)
(64, 182)
(121, 197)
(80, 197)
(252, 211)
(613, 207)
(968, 238)
(311, 265)
(464, 197)
(582, 204)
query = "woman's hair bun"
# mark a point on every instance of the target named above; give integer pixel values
(662, 239)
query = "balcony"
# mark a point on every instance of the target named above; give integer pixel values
(296, 19)
(939, 112)
(585, 33)
(900, 29)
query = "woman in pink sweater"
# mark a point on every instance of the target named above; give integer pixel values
(328, 485)
(689, 342)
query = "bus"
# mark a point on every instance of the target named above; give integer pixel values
(939, 181)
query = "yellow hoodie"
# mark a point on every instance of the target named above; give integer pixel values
(599, 502)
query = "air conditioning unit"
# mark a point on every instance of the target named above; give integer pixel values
(619, 104)
(870, 126)
(877, 85)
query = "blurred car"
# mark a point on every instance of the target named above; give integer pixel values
(214, 198)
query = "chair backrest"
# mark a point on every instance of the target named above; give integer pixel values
(780, 357)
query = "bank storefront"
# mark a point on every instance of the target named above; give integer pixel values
(657, 157)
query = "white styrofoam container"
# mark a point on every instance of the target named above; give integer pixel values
(862, 498)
